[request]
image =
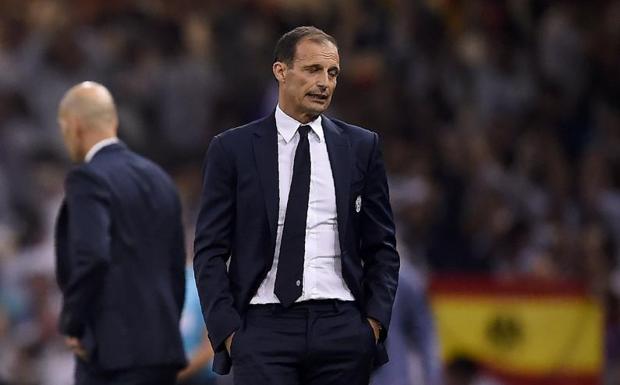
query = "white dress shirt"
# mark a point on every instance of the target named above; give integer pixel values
(98, 146)
(322, 278)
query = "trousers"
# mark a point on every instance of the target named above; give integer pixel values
(309, 343)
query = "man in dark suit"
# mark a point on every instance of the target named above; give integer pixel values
(120, 252)
(295, 255)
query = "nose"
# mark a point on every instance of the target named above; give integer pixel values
(322, 81)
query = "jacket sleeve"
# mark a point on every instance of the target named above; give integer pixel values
(378, 243)
(88, 205)
(212, 245)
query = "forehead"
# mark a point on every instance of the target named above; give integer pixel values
(310, 52)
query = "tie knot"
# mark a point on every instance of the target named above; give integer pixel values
(303, 131)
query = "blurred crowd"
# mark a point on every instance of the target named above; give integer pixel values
(500, 123)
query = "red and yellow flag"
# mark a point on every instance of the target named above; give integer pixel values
(525, 331)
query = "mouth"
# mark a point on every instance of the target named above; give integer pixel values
(318, 97)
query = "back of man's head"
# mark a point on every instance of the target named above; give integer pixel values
(92, 105)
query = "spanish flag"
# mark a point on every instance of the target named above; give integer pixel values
(526, 332)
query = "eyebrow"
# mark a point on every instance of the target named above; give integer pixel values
(312, 66)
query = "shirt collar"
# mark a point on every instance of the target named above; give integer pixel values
(98, 146)
(287, 126)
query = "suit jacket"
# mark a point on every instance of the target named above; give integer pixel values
(236, 228)
(120, 261)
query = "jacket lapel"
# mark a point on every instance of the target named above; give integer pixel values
(265, 143)
(339, 151)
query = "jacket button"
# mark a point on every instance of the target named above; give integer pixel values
(298, 282)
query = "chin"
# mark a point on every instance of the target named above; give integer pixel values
(317, 108)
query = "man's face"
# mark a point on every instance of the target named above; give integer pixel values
(307, 85)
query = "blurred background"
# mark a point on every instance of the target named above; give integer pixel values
(500, 123)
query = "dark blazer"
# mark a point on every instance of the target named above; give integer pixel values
(120, 261)
(238, 220)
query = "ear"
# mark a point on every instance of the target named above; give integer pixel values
(279, 71)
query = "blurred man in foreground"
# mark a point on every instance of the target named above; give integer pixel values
(120, 252)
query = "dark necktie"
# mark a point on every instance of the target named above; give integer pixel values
(289, 278)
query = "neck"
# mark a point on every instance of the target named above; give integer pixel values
(301, 117)
(93, 139)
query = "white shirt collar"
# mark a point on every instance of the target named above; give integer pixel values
(98, 146)
(287, 126)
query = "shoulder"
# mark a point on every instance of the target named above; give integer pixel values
(363, 142)
(354, 132)
(237, 142)
(147, 164)
(116, 166)
(243, 132)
